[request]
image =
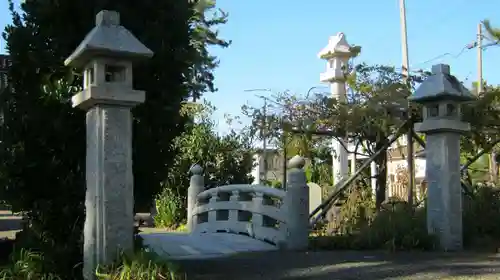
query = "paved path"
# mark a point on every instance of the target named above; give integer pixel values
(202, 246)
(345, 265)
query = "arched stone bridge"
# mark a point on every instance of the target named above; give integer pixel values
(239, 218)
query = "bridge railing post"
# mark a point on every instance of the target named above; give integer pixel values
(296, 205)
(196, 186)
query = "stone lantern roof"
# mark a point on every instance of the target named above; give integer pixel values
(337, 46)
(441, 85)
(108, 39)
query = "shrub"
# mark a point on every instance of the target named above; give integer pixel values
(481, 217)
(397, 226)
(394, 227)
(170, 210)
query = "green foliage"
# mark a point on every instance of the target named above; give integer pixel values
(484, 116)
(169, 207)
(492, 31)
(357, 211)
(26, 265)
(481, 217)
(373, 111)
(226, 159)
(398, 227)
(273, 183)
(319, 173)
(43, 137)
(140, 266)
(394, 227)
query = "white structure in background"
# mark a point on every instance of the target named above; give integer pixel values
(274, 170)
(395, 163)
(337, 53)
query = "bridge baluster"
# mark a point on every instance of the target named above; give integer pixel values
(296, 206)
(196, 186)
(257, 219)
(212, 215)
(233, 214)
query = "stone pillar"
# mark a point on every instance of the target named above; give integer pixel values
(441, 95)
(297, 206)
(337, 53)
(108, 97)
(196, 186)
(444, 196)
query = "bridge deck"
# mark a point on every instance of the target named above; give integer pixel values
(202, 246)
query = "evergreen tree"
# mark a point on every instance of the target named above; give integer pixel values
(43, 137)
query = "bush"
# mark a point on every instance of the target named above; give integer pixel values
(481, 217)
(170, 210)
(394, 227)
(397, 226)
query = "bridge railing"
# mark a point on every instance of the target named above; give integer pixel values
(268, 214)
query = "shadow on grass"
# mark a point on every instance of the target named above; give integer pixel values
(6, 247)
(344, 265)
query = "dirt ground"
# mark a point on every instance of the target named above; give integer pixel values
(347, 265)
(328, 265)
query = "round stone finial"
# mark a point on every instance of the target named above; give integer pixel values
(297, 162)
(196, 169)
(440, 69)
(107, 18)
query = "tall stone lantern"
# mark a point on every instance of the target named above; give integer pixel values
(337, 54)
(105, 56)
(441, 96)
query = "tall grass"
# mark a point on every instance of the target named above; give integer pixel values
(170, 210)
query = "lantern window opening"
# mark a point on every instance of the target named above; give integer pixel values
(451, 110)
(114, 73)
(433, 111)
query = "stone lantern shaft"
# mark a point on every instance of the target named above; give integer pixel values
(105, 56)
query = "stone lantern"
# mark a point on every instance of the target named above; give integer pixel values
(337, 54)
(105, 56)
(441, 96)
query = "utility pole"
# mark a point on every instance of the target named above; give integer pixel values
(264, 139)
(409, 134)
(263, 134)
(479, 58)
(493, 168)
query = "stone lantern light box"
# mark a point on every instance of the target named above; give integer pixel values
(441, 96)
(106, 55)
(337, 53)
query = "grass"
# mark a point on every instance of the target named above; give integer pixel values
(180, 229)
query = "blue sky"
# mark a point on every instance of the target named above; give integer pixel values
(275, 43)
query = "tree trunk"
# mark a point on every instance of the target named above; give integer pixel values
(380, 191)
